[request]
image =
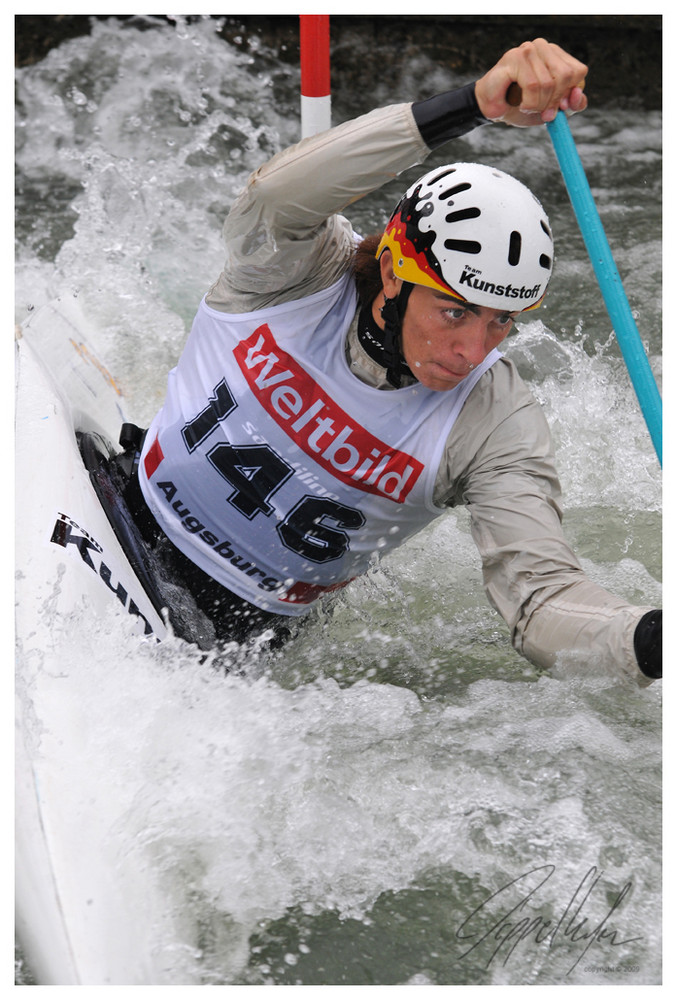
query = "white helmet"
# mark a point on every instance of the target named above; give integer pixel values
(473, 232)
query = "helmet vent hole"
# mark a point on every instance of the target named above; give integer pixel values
(450, 192)
(515, 248)
(462, 214)
(443, 173)
(545, 229)
(463, 246)
(545, 261)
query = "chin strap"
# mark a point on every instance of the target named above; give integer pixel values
(392, 313)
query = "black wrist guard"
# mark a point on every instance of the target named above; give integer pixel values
(649, 644)
(448, 116)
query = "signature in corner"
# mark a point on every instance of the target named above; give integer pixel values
(517, 925)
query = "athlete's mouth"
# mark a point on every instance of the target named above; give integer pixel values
(449, 373)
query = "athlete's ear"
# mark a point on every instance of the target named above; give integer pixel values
(391, 284)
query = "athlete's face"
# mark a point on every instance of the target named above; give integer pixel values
(443, 339)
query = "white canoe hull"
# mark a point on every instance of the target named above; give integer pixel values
(79, 920)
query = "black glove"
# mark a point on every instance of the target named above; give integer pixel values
(649, 644)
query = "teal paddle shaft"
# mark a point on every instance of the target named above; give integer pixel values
(609, 280)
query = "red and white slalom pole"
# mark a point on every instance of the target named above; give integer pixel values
(315, 74)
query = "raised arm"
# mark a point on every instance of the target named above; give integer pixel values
(286, 235)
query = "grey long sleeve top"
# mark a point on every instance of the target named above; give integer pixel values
(287, 236)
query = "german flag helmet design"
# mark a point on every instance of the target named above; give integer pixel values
(473, 232)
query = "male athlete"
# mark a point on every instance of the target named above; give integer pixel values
(335, 395)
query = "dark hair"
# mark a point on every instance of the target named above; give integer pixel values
(366, 269)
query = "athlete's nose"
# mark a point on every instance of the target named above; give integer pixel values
(471, 343)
